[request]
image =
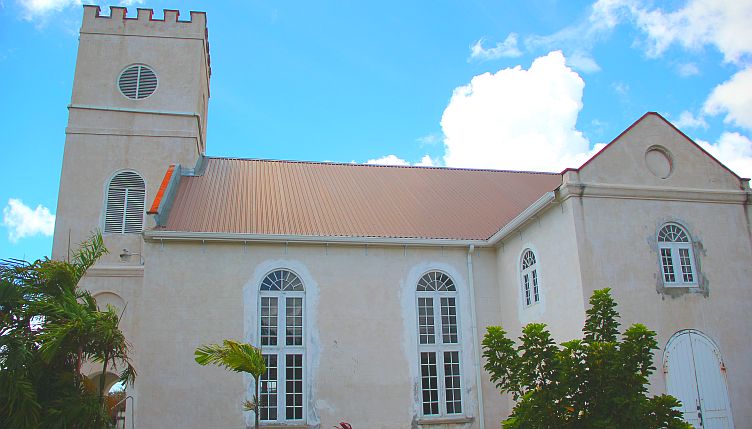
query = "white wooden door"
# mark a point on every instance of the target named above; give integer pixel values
(694, 375)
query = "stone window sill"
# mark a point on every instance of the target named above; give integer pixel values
(439, 421)
(279, 426)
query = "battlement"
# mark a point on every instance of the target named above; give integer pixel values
(144, 23)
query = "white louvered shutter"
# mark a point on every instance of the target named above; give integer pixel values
(125, 204)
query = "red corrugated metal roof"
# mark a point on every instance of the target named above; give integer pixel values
(326, 199)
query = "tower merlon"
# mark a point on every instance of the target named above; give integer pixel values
(118, 23)
(144, 23)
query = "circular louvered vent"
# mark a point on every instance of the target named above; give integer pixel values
(137, 82)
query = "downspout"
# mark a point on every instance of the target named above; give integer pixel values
(476, 344)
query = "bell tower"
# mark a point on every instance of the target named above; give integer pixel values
(139, 103)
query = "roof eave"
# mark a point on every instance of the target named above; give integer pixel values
(163, 235)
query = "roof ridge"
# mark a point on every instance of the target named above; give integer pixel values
(355, 164)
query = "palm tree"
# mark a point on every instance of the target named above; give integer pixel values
(48, 329)
(238, 357)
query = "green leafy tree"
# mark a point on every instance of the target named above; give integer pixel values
(238, 357)
(48, 329)
(599, 381)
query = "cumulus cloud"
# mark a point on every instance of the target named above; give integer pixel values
(35, 9)
(688, 120)
(517, 119)
(721, 23)
(388, 160)
(23, 221)
(426, 161)
(734, 150)
(507, 48)
(734, 98)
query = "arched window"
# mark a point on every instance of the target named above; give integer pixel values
(124, 208)
(530, 278)
(283, 347)
(438, 345)
(677, 260)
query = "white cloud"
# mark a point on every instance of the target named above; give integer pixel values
(426, 161)
(40, 9)
(388, 160)
(734, 98)
(734, 150)
(517, 119)
(507, 48)
(22, 221)
(688, 69)
(688, 120)
(721, 23)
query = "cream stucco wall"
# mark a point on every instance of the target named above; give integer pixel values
(616, 234)
(361, 347)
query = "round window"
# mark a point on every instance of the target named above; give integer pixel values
(659, 162)
(137, 82)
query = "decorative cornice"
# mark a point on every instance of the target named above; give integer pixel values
(130, 132)
(115, 270)
(593, 190)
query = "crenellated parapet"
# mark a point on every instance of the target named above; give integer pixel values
(144, 24)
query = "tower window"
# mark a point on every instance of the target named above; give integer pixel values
(124, 211)
(137, 82)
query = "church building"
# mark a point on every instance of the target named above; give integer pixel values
(369, 288)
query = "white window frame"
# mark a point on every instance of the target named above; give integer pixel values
(438, 348)
(281, 349)
(123, 221)
(530, 279)
(673, 251)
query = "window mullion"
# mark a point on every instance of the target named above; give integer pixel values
(438, 323)
(441, 381)
(676, 262)
(281, 357)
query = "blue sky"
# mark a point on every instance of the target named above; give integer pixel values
(534, 85)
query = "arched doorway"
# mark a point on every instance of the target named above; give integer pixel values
(696, 376)
(114, 397)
